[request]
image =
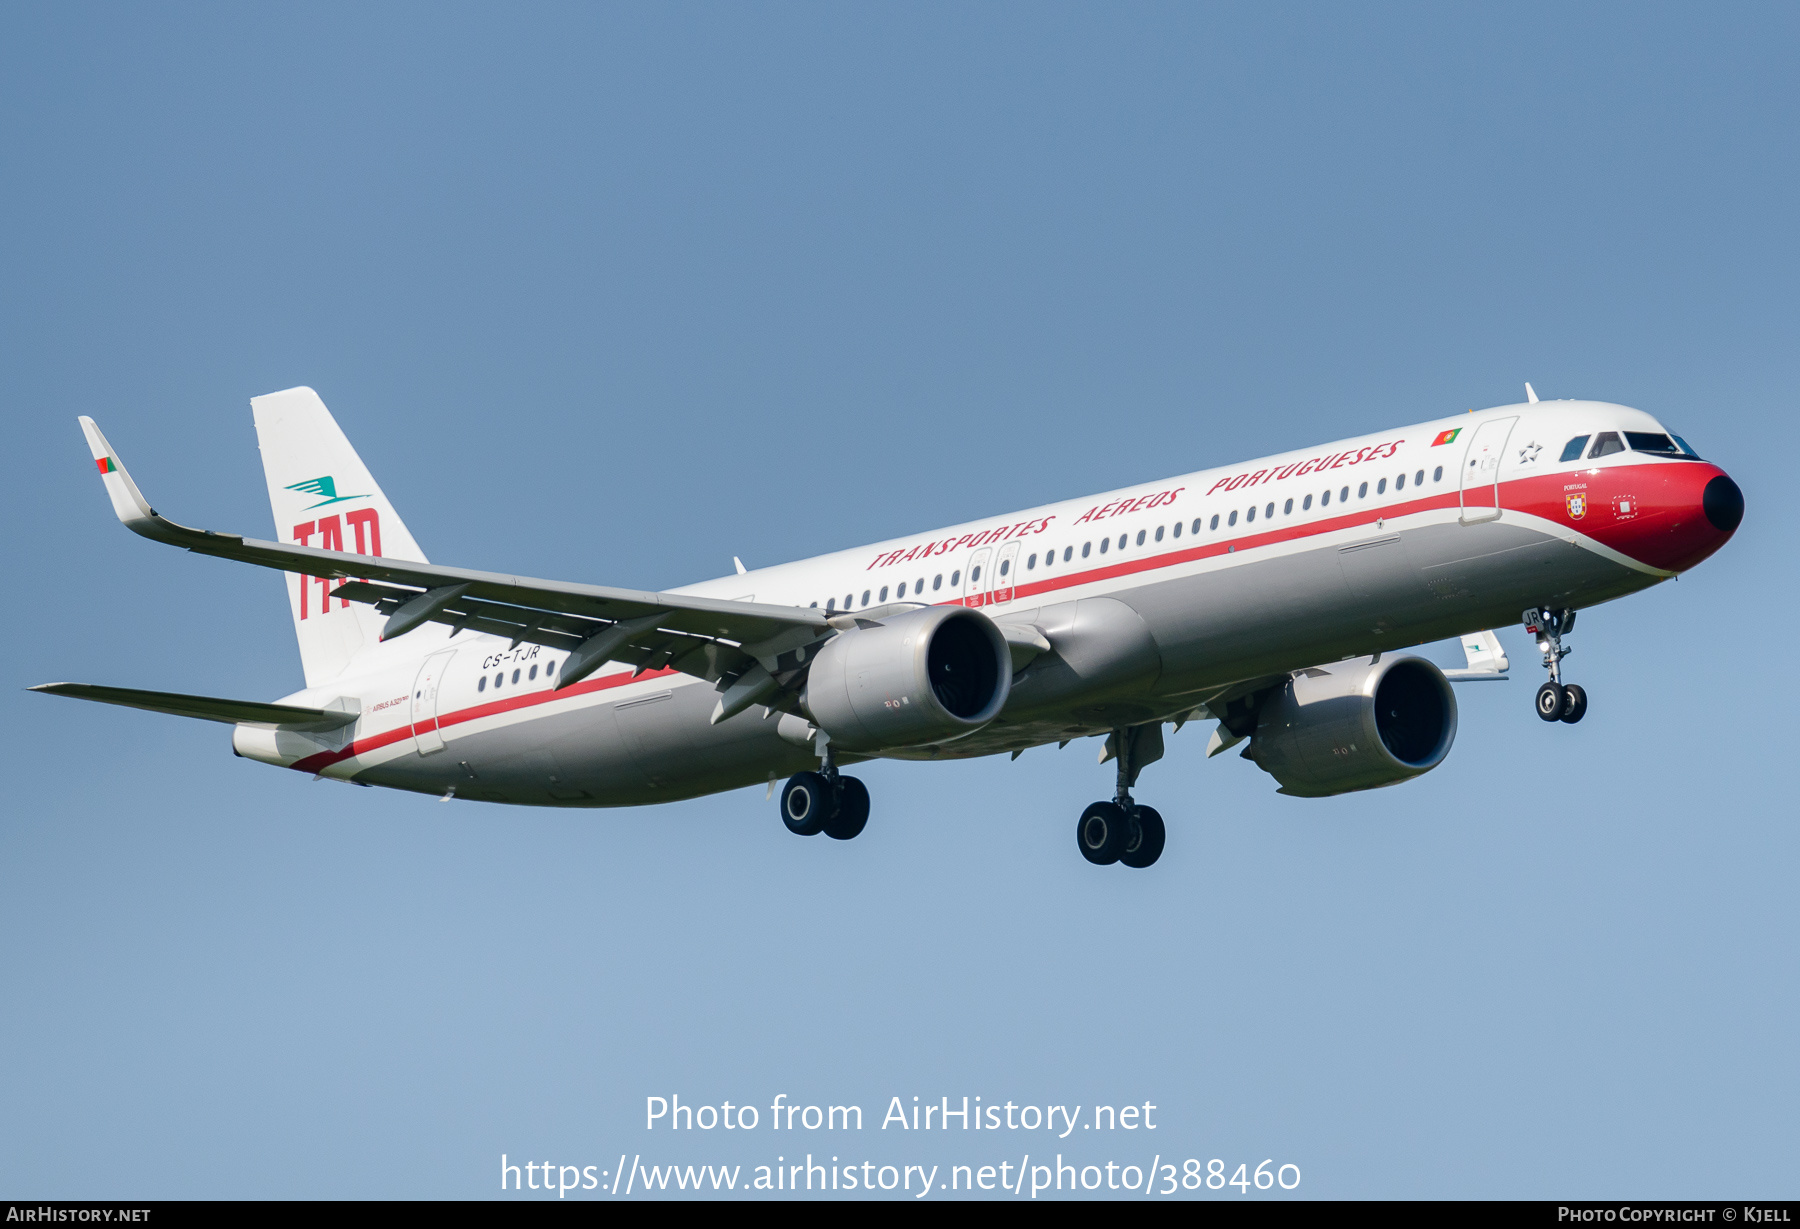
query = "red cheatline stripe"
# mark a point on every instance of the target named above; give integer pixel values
(374, 742)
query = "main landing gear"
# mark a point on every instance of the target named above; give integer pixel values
(1556, 700)
(815, 802)
(1121, 830)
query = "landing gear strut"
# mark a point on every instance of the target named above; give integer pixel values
(824, 801)
(1556, 701)
(1122, 830)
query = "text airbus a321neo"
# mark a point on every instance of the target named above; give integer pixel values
(1269, 597)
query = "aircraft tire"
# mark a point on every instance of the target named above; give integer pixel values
(807, 803)
(1145, 844)
(1575, 707)
(1552, 701)
(852, 810)
(1101, 833)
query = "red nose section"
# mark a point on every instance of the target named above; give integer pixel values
(1668, 514)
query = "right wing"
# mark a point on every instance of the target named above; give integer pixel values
(711, 638)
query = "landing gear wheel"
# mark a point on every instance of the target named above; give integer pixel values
(852, 810)
(1552, 702)
(1102, 832)
(1575, 703)
(807, 803)
(1145, 844)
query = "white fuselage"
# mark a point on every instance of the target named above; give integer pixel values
(1153, 598)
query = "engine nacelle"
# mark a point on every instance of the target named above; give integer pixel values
(917, 678)
(1355, 725)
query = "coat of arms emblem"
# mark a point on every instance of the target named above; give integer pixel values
(1577, 506)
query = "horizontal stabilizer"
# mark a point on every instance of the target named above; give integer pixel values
(206, 708)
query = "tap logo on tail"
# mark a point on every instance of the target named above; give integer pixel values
(325, 486)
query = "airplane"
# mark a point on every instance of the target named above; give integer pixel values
(1272, 598)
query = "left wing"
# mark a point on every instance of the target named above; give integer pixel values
(720, 641)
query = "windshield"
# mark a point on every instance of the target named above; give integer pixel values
(1656, 442)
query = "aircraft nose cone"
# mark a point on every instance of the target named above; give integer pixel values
(1723, 504)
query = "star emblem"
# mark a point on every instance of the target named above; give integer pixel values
(1529, 453)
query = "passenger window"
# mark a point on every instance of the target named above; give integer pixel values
(1232, 520)
(1104, 544)
(481, 683)
(533, 673)
(1419, 478)
(850, 600)
(1196, 528)
(1381, 487)
(1287, 508)
(1250, 515)
(883, 596)
(919, 587)
(1437, 475)
(1344, 495)
(956, 578)
(975, 575)
(937, 582)
(1270, 510)
(499, 679)
(1324, 499)
(865, 600)
(1306, 504)
(1215, 519)
(1122, 540)
(1068, 552)
(814, 606)
(830, 604)
(900, 590)
(549, 668)
(515, 676)
(1085, 548)
(1572, 449)
(1400, 482)
(1177, 530)
(1031, 561)
(1005, 566)
(1159, 530)
(1362, 492)
(1141, 536)
(1605, 444)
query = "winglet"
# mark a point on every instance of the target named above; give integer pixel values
(1487, 660)
(129, 504)
(1530, 393)
(127, 501)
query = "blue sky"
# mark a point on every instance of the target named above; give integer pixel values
(615, 293)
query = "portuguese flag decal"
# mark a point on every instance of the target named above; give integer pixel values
(1445, 437)
(106, 465)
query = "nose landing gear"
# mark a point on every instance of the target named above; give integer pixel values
(1556, 701)
(1121, 830)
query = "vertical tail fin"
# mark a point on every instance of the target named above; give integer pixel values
(323, 495)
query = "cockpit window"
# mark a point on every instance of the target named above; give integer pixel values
(1686, 447)
(1651, 441)
(1572, 449)
(1605, 444)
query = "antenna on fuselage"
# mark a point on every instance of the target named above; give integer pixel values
(1530, 393)
(742, 569)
